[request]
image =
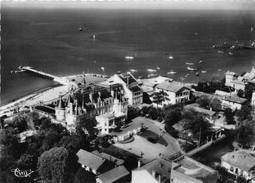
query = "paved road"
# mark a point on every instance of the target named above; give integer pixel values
(158, 128)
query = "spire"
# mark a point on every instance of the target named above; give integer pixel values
(61, 104)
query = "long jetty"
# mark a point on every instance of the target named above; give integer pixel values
(60, 80)
(235, 47)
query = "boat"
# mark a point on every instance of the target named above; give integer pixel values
(219, 69)
(230, 53)
(203, 71)
(151, 70)
(152, 75)
(189, 63)
(220, 52)
(158, 67)
(171, 72)
(191, 69)
(171, 57)
(129, 57)
(80, 28)
(200, 61)
(133, 70)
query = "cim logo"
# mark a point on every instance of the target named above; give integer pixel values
(22, 173)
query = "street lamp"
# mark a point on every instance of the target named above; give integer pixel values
(103, 70)
(189, 134)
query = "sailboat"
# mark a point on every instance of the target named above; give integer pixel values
(251, 29)
(171, 57)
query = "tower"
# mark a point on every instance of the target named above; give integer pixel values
(60, 110)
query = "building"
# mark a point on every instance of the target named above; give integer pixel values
(232, 101)
(239, 82)
(96, 162)
(240, 163)
(132, 91)
(117, 175)
(184, 170)
(176, 92)
(109, 106)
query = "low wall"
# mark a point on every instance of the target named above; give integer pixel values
(198, 149)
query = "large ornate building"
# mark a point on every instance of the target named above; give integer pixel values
(108, 105)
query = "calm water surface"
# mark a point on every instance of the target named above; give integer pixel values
(50, 40)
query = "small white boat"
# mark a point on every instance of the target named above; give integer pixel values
(203, 72)
(189, 63)
(171, 72)
(220, 52)
(129, 57)
(151, 70)
(219, 69)
(200, 61)
(230, 53)
(158, 67)
(152, 75)
(133, 70)
(191, 69)
(171, 57)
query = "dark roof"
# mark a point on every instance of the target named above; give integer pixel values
(127, 78)
(113, 159)
(113, 175)
(135, 88)
(90, 160)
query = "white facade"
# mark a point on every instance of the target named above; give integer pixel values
(253, 99)
(232, 105)
(175, 97)
(236, 171)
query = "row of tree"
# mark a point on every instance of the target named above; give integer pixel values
(50, 153)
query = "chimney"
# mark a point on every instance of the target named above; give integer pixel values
(82, 102)
(153, 173)
(159, 178)
(139, 164)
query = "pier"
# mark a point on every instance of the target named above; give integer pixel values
(235, 47)
(61, 80)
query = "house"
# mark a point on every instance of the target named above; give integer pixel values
(133, 92)
(233, 102)
(239, 82)
(187, 170)
(116, 161)
(176, 92)
(117, 175)
(109, 105)
(209, 114)
(95, 162)
(182, 170)
(240, 163)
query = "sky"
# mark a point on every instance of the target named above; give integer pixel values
(139, 4)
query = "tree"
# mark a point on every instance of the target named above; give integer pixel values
(83, 176)
(215, 104)
(88, 126)
(229, 116)
(172, 117)
(7, 163)
(203, 101)
(240, 93)
(248, 91)
(245, 135)
(159, 97)
(26, 161)
(244, 113)
(52, 164)
(20, 122)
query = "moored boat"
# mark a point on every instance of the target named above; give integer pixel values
(151, 70)
(191, 69)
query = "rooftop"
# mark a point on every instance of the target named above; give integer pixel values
(193, 168)
(171, 86)
(201, 110)
(89, 159)
(113, 159)
(113, 175)
(240, 159)
(235, 99)
(159, 167)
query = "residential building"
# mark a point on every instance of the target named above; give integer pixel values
(132, 91)
(184, 170)
(96, 162)
(232, 101)
(239, 82)
(117, 175)
(240, 163)
(176, 92)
